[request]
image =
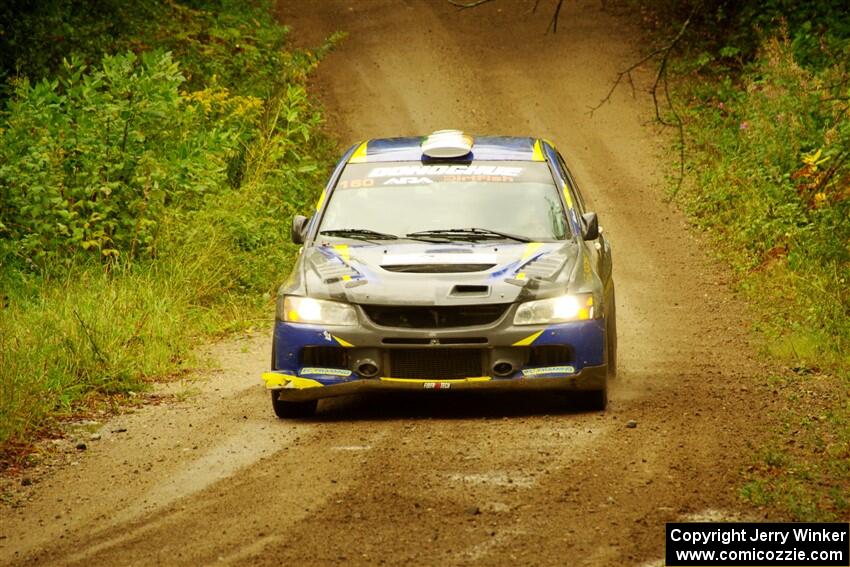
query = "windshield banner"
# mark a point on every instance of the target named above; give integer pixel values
(370, 175)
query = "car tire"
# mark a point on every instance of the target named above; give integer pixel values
(289, 410)
(611, 338)
(594, 400)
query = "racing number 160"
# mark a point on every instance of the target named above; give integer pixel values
(356, 183)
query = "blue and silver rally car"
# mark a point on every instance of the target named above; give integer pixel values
(446, 262)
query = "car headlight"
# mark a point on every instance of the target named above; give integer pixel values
(295, 309)
(561, 309)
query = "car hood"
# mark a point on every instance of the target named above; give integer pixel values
(417, 273)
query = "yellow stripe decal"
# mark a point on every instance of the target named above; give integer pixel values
(530, 249)
(321, 201)
(359, 155)
(567, 197)
(528, 340)
(537, 152)
(450, 380)
(520, 276)
(342, 250)
(276, 380)
(342, 342)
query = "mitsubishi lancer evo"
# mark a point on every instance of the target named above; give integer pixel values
(446, 262)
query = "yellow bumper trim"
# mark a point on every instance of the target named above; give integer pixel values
(275, 380)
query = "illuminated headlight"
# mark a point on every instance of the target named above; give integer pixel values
(294, 309)
(555, 310)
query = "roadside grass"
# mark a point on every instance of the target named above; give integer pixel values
(769, 181)
(88, 312)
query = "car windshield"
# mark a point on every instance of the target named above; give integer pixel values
(477, 201)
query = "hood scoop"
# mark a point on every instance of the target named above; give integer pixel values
(470, 291)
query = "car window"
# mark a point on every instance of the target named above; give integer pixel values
(518, 198)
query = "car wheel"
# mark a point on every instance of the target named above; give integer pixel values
(287, 410)
(594, 400)
(612, 340)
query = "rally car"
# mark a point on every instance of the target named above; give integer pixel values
(446, 262)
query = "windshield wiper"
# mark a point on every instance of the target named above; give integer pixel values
(359, 233)
(468, 234)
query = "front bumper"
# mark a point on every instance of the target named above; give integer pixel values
(297, 389)
(299, 375)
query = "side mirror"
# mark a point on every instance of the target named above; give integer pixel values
(299, 225)
(590, 229)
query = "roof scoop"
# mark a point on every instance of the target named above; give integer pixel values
(447, 144)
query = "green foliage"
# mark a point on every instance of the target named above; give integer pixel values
(237, 43)
(93, 160)
(818, 31)
(145, 198)
(768, 138)
(772, 176)
(35, 35)
(730, 34)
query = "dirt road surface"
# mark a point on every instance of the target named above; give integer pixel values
(215, 478)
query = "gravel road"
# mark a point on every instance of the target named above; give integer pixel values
(214, 478)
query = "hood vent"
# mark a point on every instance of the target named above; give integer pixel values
(437, 268)
(470, 290)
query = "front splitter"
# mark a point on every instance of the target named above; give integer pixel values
(296, 389)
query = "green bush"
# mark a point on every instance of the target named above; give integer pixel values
(771, 177)
(769, 161)
(237, 42)
(92, 161)
(145, 200)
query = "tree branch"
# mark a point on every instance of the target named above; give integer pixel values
(553, 23)
(660, 80)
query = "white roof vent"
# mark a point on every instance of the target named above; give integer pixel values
(447, 144)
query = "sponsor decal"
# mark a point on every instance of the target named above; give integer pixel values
(308, 370)
(416, 174)
(437, 385)
(408, 181)
(455, 170)
(549, 370)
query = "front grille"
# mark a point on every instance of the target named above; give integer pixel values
(435, 363)
(435, 316)
(325, 357)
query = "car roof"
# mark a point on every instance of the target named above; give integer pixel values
(486, 148)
